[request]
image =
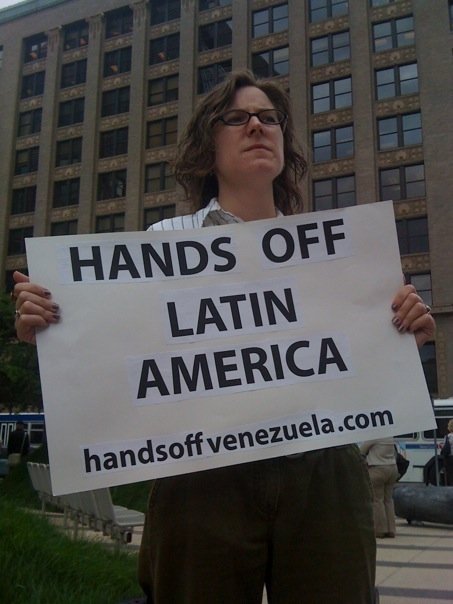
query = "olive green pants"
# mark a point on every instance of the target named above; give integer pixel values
(302, 526)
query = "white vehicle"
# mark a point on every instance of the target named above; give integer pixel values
(420, 447)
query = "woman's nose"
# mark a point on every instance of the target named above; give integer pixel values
(254, 124)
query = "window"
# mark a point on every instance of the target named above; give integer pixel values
(333, 193)
(271, 63)
(67, 227)
(422, 283)
(118, 22)
(214, 35)
(32, 85)
(403, 182)
(270, 20)
(400, 131)
(24, 200)
(117, 61)
(320, 10)
(164, 49)
(113, 223)
(152, 215)
(27, 160)
(112, 185)
(161, 132)
(159, 177)
(69, 152)
(413, 235)
(396, 81)
(450, 10)
(330, 48)
(206, 4)
(428, 358)
(163, 90)
(29, 122)
(336, 143)
(16, 240)
(113, 142)
(210, 76)
(382, 2)
(165, 10)
(75, 35)
(73, 73)
(71, 112)
(35, 48)
(115, 101)
(66, 193)
(393, 34)
(335, 94)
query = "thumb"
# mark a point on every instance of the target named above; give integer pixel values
(20, 277)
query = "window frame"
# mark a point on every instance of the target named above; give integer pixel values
(164, 177)
(36, 88)
(113, 142)
(168, 129)
(216, 35)
(167, 211)
(68, 152)
(73, 74)
(162, 11)
(335, 193)
(16, 246)
(29, 122)
(402, 183)
(329, 11)
(75, 35)
(23, 200)
(118, 103)
(331, 49)
(30, 161)
(272, 21)
(77, 110)
(35, 48)
(164, 49)
(397, 81)
(334, 144)
(414, 242)
(271, 63)
(119, 22)
(117, 178)
(332, 94)
(68, 227)
(120, 58)
(218, 72)
(120, 216)
(394, 36)
(168, 94)
(66, 193)
(400, 131)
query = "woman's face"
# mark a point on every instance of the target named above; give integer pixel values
(250, 150)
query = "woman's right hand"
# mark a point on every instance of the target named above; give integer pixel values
(34, 308)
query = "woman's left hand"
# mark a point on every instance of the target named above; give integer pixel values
(413, 315)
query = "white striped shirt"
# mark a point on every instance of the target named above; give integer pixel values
(192, 221)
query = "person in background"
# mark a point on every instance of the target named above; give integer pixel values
(447, 454)
(18, 444)
(381, 462)
(300, 525)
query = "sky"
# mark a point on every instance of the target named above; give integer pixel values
(5, 3)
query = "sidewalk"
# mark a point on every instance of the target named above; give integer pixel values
(414, 568)
(417, 566)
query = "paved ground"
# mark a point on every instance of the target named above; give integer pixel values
(417, 566)
(414, 568)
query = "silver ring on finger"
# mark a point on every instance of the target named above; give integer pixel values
(428, 309)
(16, 315)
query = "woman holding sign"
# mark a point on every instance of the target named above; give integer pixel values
(302, 525)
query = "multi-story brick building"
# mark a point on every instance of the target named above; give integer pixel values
(94, 94)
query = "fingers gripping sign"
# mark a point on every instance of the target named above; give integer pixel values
(34, 308)
(413, 315)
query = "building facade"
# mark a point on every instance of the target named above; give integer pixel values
(94, 94)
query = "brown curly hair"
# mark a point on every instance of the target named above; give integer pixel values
(195, 161)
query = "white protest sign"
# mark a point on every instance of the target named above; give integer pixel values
(179, 351)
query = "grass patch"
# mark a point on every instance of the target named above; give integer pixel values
(40, 565)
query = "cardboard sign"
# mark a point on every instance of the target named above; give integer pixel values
(179, 351)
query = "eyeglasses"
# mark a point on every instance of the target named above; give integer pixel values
(238, 117)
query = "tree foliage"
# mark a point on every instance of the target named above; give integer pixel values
(20, 385)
